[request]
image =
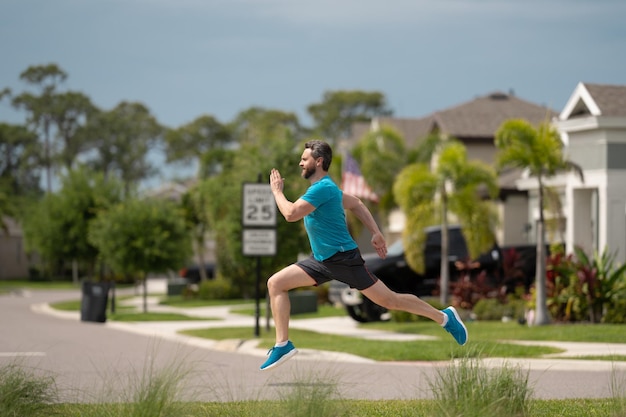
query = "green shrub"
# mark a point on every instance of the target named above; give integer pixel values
(615, 312)
(583, 287)
(493, 309)
(322, 293)
(488, 309)
(217, 289)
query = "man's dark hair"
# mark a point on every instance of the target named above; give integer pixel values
(320, 149)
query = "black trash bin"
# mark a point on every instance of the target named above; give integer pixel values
(94, 301)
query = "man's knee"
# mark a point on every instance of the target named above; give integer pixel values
(273, 284)
(287, 279)
(278, 282)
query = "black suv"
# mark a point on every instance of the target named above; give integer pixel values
(397, 275)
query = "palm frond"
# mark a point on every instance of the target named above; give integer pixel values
(414, 185)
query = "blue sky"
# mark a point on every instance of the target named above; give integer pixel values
(185, 58)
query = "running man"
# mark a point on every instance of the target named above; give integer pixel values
(335, 253)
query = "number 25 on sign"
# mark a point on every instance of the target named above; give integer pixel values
(259, 208)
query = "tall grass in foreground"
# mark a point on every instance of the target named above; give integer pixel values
(617, 387)
(23, 393)
(149, 392)
(467, 388)
(312, 396)
(463, 389)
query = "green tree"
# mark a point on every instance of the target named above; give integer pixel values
(141, 236)
(19, 160)
(256, 124)
(381, 155)
(334, 116)
(540, 151)
(122, 138)
(40, 107)
(55, 116)
(429, 197)
(205, 141)
(267, 139)
(70, 113)
(57, 227)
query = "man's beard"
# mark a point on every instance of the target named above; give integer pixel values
(308, 173)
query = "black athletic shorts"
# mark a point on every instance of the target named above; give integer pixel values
(347, 267)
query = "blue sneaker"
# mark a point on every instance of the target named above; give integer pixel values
(455, 326)
(279, 355)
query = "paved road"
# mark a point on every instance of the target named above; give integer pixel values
(95, 362)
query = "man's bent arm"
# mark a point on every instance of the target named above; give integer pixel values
(292, 212)
(356, 206)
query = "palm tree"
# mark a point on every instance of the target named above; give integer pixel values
(540, 151)
(381, 154)
(429, 196)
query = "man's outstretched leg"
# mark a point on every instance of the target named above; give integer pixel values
(278, 287)
(448, 318)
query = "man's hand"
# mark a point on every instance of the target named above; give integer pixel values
(378, 241)
(277, 182)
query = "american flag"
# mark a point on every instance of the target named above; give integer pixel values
(352, 181)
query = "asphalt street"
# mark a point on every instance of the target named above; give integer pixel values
(104, 362)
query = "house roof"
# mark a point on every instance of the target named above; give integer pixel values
(411, 129)
(476, 119)
(473, 121)
(170, 190)
(590, 99)
(13, 227)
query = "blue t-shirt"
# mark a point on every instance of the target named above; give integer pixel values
(326, 225)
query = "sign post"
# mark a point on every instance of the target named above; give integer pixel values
(258, 217)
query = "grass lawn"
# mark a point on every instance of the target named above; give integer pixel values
(487, 338)
(127, 313)
(351, 408)
(430, 350)
(495, 330)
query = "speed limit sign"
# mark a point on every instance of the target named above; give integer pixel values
(259, 207)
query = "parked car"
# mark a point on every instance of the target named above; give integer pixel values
(395, 272)
(192, 272)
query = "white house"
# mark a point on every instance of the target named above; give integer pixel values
(593, 127)
(593, 124)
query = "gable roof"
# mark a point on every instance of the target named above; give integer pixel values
(476, 119)
(595, 100)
